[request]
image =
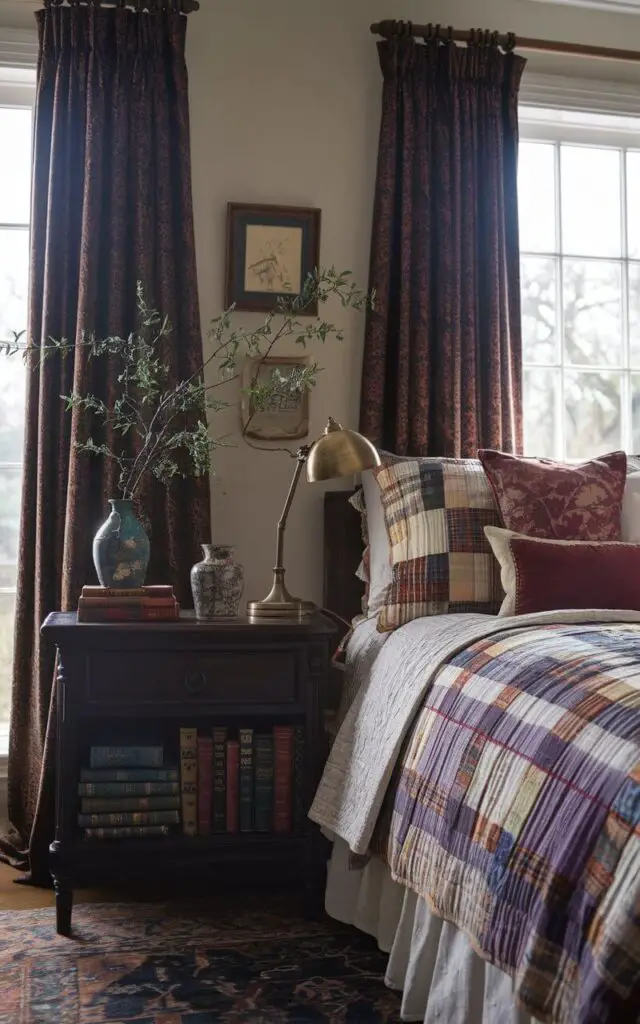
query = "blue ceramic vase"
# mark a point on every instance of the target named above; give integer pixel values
(121, 548)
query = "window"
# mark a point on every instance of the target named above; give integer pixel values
(16, 101)
(579, 195)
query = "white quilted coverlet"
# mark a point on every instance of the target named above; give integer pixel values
(387, 678)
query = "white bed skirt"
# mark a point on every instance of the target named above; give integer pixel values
(431, 962)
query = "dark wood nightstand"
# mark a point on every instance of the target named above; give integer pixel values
(134, 683)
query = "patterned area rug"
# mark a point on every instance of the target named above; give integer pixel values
(167, 964)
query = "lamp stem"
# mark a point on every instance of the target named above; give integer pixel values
(301, 457)
(279, 603)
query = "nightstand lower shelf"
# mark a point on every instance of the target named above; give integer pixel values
(236, 672)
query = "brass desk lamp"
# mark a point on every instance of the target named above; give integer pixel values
(337, 453)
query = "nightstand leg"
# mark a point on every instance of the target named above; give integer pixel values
(64, 905)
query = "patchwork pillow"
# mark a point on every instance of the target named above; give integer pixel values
(544, 575)
(435, 511)
(541, 498)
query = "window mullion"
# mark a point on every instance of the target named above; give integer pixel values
(560, 440)
(625, 389)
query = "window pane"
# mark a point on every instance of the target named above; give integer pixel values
(592, 413)
(10, 497)
(592, 299)
(635, 412)
(634, 313)
(15, 167)
(14, 281)
(12, 402)
(7, 615)
(591, 211)
(540, 412)
(633, 204)
(536, 197)
(538, 284)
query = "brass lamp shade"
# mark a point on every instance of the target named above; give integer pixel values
(337, 453)
(340, 452)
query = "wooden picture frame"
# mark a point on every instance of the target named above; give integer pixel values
(285, 420)
(270, 252)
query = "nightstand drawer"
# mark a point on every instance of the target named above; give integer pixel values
(257, 677)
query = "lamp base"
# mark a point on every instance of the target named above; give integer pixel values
(295, 611)
(280, 604)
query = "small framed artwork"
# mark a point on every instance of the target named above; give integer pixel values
(270, 252)
(286, 416)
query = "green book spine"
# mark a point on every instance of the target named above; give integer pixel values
(115, 805)
(128, 789)
(205, 784)
(263, 788)
(299, 780)
(131, 832)
(125, 757)
(189, 780)
(129, 775)
(129, 818)
(246, 780)
(219, 778)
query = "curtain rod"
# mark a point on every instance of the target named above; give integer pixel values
(180, 6)
(507, 42)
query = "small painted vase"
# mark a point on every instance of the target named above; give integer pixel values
(121, 548)
(217, 583)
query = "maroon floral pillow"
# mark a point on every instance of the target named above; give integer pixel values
(541, 498)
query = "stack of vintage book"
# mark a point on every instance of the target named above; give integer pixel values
(128, 793)
(242, 780)
(143, 604)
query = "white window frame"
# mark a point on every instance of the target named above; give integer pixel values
(18, 64)
(578, 126)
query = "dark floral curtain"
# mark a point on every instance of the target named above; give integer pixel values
(111, 206)
(442, 358)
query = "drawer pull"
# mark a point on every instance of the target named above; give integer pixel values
(195, 682)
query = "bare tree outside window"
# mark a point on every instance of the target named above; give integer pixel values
(580, 277)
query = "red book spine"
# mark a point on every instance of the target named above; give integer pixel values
(282, 777)
(233, 785)
(205, 784)
(124, 614)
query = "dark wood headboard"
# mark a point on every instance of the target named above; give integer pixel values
(342, 554)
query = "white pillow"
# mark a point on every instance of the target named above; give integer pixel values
(631, 510)
(380, 572)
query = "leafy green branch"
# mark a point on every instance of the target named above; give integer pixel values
(163, 428)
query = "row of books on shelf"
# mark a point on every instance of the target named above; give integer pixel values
(228, 781)
(142, 604)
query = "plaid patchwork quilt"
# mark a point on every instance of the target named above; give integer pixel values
(516, 813)
(435, 512)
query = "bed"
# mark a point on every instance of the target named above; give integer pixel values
(402, 799)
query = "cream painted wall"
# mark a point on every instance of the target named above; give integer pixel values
(285, 102)
(285, 108)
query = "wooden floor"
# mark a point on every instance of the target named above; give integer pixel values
(27, 897)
